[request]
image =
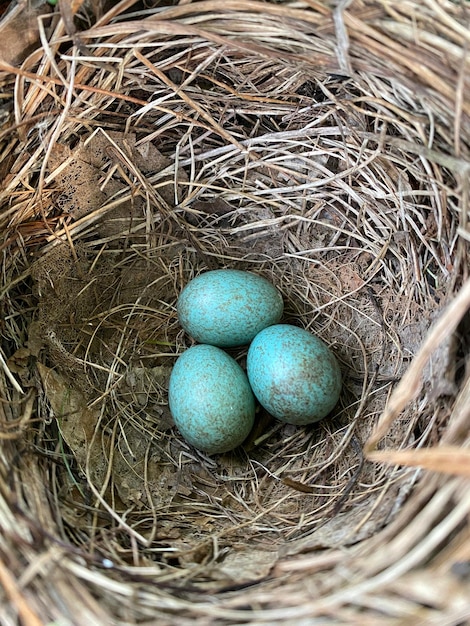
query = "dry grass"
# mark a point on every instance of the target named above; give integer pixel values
(327, 149)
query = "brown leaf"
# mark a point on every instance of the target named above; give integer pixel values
(248, 566)
(411, 383)
(77, 423)
(19, 32)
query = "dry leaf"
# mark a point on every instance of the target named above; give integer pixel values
(145, 383)
(79, 177)
(137, 469)
(77, 423)
(248, 566)
(78, 181)
(19, 32)
(347, 528)
(411, 383)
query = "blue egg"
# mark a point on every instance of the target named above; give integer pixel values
(210, 399)
(293, 374)
(227, 308)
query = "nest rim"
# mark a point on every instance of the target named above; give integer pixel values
(410, 535)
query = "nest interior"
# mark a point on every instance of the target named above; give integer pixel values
(322, 145)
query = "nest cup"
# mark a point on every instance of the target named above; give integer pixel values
(324, 146)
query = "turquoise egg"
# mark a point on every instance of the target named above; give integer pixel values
(227, 308)
(293, 374)
(210, 399)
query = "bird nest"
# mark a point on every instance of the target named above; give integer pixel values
(322, 145)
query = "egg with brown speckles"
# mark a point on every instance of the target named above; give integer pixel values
(228, 307)
(210, 399)
(293, 374)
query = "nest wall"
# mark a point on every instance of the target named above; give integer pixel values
(322, 145)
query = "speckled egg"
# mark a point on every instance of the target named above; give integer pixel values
(210, 399)
(293, 374)
(228, 307)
